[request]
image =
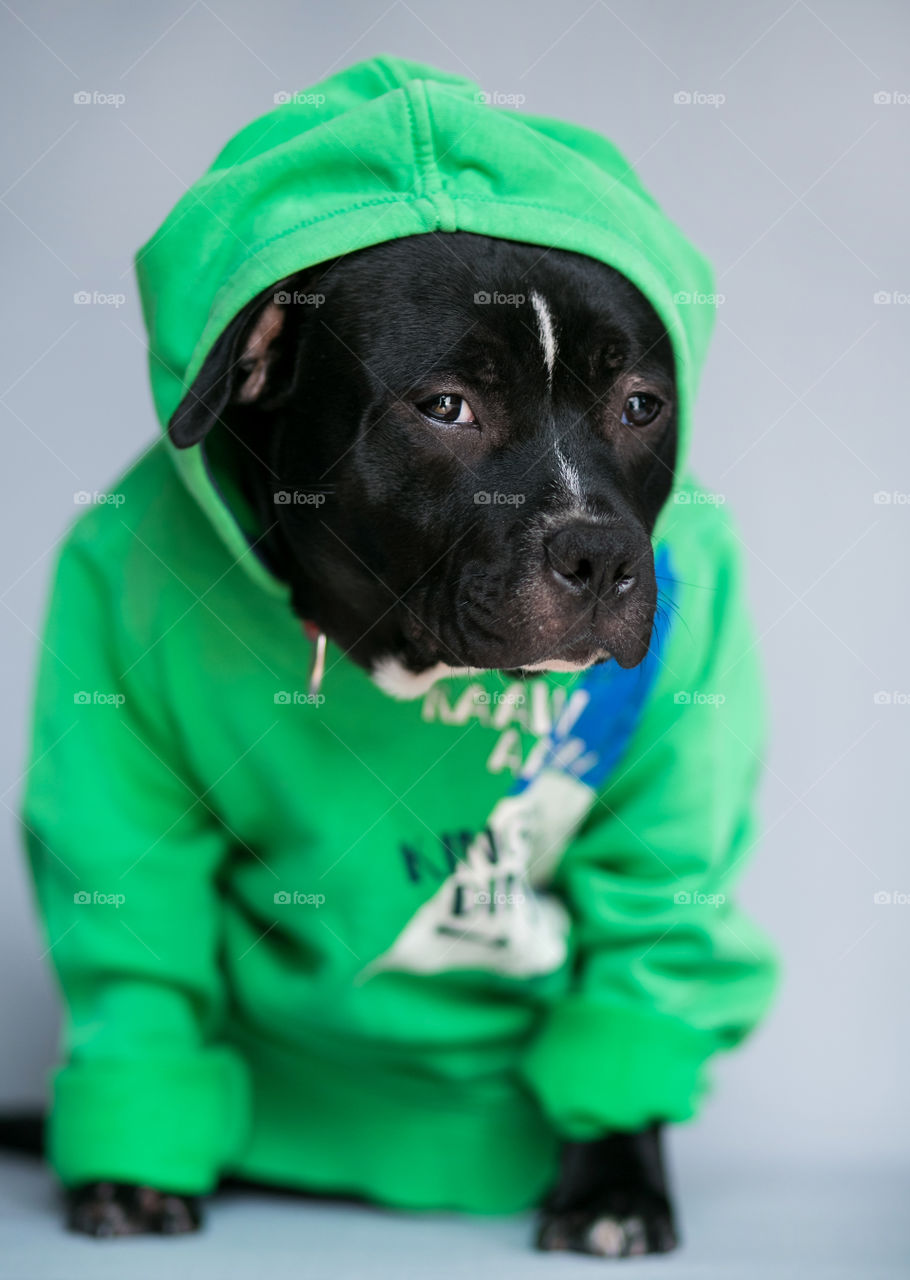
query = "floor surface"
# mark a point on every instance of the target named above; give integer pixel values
(749, 1225)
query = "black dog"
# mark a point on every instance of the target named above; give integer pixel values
(427, 382)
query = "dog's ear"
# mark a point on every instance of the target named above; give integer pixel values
(236, 370)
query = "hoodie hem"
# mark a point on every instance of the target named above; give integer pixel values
(404, 1139)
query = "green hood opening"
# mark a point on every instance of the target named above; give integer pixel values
(384, 149)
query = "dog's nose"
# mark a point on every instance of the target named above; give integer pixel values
(587, 557)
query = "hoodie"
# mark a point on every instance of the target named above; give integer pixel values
(395, 949)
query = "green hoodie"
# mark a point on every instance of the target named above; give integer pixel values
(399, 949)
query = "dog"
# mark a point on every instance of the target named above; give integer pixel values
(383, 565)
(447, 463)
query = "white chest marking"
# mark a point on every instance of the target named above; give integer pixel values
(393, 677)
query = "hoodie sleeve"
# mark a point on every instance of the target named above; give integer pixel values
(124, 853)
(668, 970)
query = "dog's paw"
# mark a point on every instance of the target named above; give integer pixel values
(622, 1226)
(107, 1209)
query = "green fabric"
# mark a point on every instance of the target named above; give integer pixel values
(650, 1065)
(160, 1120)
(178, 792)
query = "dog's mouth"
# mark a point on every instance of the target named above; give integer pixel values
(580, 663)
(589, 601)
(573, 653)
(443, 645)
(406, 676)
(540, 625)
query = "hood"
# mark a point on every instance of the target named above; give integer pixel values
(384, 149)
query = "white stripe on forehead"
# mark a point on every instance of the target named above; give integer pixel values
(568, 474)
(546, 331)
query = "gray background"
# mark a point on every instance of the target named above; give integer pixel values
(795, 186)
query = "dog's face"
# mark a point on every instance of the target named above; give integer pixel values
(462, 445)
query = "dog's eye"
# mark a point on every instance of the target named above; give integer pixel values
(641, 410)
(454, 410)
